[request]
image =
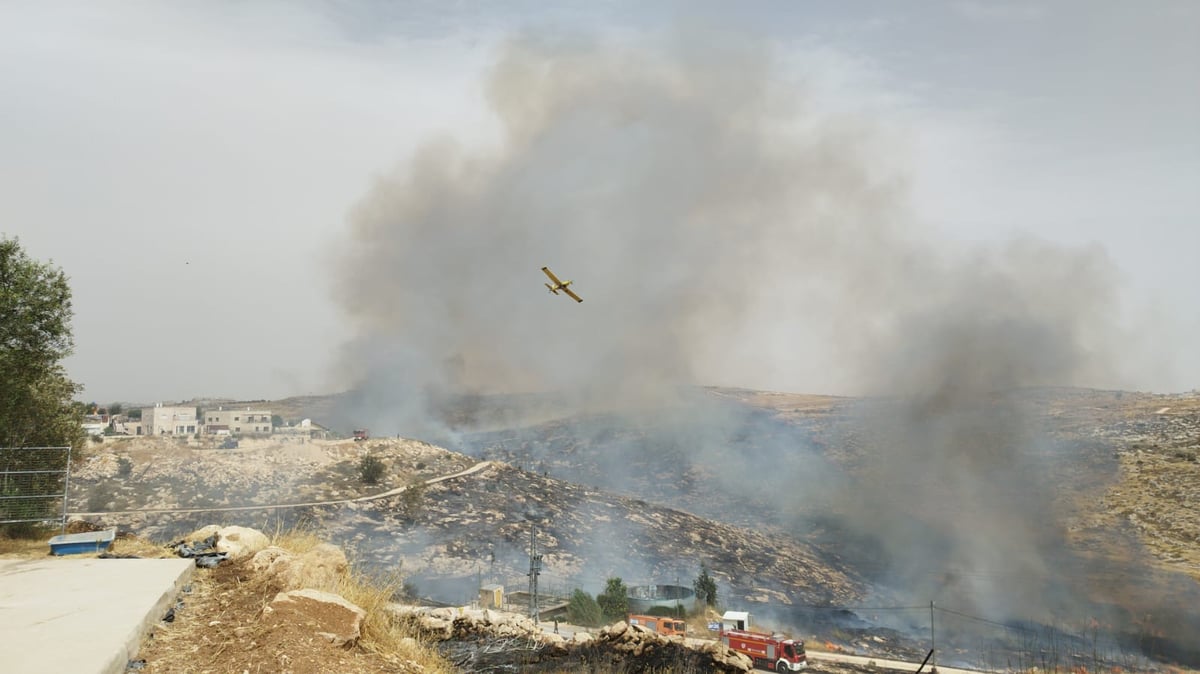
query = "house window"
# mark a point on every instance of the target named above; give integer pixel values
(191, 429)
(237, 418)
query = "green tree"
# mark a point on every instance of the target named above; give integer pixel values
(705, 587)
(370, 469)
(276, 420)
(115, 408)
(582, 609)
(37, 407)
(614, 601)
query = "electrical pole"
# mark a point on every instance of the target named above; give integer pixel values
(535, 568)
(678, 591)
(932, 639)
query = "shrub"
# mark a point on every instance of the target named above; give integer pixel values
(124, 467)
(370, 469)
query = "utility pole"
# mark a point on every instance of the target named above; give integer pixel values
(932, 639)
(678, 591)
(535, 568)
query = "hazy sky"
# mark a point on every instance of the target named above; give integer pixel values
(192, 166)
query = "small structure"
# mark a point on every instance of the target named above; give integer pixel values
(644, 598)
(735, 620)
(491, 596)
(75, 544)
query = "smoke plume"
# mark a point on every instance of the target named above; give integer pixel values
(700, 203)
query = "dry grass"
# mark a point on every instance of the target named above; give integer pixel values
(382, 633)
(24, 547)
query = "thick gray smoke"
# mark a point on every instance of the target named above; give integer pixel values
(677, 187)
(690, 193)
(957, 483)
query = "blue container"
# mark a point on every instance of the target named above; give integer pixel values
(75, 544)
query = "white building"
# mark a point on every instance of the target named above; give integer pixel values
(169, 420)
(237, 422)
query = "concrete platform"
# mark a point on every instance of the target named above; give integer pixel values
(84, 616)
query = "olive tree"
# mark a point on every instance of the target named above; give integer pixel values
(36, 396)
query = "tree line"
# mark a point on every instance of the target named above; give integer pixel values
(612, 604)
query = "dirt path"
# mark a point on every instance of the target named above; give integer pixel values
(274, 506)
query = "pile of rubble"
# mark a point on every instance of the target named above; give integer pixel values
(484, 640)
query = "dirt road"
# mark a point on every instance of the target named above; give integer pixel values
(273, 506)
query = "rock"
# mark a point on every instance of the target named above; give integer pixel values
(241, 542)
(268, 559)
(319, 567)
(615, 630)
(330, 616)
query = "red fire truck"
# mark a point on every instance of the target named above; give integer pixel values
(772, 652)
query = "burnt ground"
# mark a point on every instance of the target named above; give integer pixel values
(650, 497)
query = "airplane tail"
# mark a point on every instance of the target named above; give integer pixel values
(550, 288)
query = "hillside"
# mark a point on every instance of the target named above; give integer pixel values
(794, 502)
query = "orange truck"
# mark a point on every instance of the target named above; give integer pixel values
(662, 625)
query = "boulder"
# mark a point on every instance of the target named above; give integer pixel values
(319, 567)
(330, 616)
(241, 542)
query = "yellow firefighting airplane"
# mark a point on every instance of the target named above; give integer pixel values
(560, 285)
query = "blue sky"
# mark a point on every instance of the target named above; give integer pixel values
(192, 166)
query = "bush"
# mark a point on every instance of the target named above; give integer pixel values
(124, 467)
(583, 610)
(370, 469)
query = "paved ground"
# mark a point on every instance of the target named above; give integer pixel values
(82, 615)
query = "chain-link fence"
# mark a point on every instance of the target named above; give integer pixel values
(33, 484)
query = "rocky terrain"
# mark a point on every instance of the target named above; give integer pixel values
(748, 483)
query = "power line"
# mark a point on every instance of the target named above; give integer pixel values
(985, 620)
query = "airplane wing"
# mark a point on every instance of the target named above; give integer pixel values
(551, 275)
(572, 294)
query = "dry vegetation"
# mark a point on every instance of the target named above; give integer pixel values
(218, 628)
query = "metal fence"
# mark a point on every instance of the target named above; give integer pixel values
(34, 483)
